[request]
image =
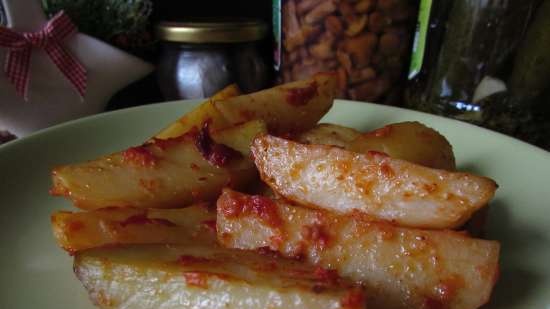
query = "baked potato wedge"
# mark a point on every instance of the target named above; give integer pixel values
(209, 277)
(375, 184)
(202, 113)
(410, 141)
(76, 231)
(290, 108)
(240, 136)
(163, 173)
(400, 267)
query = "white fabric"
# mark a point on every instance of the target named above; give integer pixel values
(52, 99)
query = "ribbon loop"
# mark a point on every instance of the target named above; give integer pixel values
(60, 27)
(12, 40)
(49, 38)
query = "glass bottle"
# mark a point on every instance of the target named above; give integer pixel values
(485, 62)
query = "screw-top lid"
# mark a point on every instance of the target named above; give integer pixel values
(212, 31)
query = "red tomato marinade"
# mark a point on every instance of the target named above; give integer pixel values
(210, 225)
(386, 170)
(446, 290)
(196, 279)
(432, 303)
(315, 235)
(381, 132)
(235, 204)
(354, 299)
(267, 251)
(166, 143)
(58, 189)
(217, 154)
(377, 153)
(75, 226)
(300, 96)
(326, 275)
(139, 155)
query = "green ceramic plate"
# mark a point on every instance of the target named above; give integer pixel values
(37, 274)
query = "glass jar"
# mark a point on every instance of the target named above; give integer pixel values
(485, 62)
(200, 57)
(367, 42)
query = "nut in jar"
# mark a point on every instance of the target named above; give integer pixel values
(367, 42)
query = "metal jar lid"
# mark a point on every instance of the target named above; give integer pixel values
(210, 31)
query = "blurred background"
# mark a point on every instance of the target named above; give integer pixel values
(484, 62)
(104, 19)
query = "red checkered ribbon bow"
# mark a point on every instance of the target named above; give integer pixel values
(49, 38)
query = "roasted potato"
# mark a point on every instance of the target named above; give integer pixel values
(76, 231)
(162, 173)
(329, 134)
(400, 267)
(337, 225)
(288, 108)
(240, 136)
(375, 184)
(209, 277)
(204, 112)
(410, 141)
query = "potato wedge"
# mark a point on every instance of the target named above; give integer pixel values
(329, 134)
(240, 137)
(289, 108)
(410, 141)
(118, 226)
(194, 277)
(162, 173)
(200, 114)
(400, 267)
(377, 185)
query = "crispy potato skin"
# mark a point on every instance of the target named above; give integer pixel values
(76, 231)
(289, 108)
(400, 267)
(204, 112)
(209, 277)
(375, 184)
(161, 174)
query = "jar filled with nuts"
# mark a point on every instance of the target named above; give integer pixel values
(367, 42)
